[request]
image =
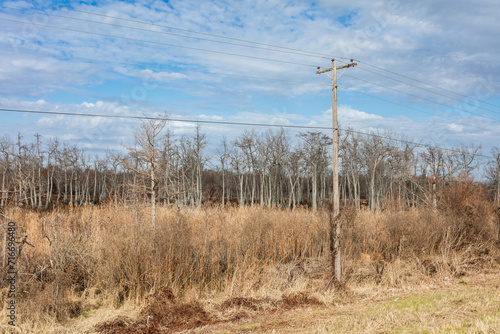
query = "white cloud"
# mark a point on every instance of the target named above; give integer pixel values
(455, 127)
(450, 44)
(348, 113)
(150, 77)
(398, 36)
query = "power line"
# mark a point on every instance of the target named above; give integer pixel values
(219, 73)
(230, 123)
(395, 103)
(422, 98)
(161, 43)
(312, 53)
(215, 73)
(422, 82)
(427, 90)
(170, 34)
(430, 91)
(154, 66)
(223, 74)
(233, 75)
(171, 119)
(454, 150)
(389, 101)
(185, 30)
(238, 76)
(251, 77)
(227, 74)
(419, 97)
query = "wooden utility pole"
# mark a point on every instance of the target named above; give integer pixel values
(335, 226)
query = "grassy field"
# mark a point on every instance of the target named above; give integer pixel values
(470, 305)
(107, 270)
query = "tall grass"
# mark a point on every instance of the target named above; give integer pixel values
(92, 256)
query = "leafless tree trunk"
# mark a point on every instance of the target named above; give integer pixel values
(148, 140)
(223, 152)
(314, 151)
(493, 173)
(374, 150)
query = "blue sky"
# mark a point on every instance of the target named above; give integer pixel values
(434, 62)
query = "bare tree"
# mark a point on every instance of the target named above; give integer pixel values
(466, 157)
(148, 142)
(314, 150)
(374, 150)
(238, 165)
(223, 152)
(493, 173)
(351, 171)
(200, 144)
(246, 143)
(292, 167)
(279, 151)
(6, 149)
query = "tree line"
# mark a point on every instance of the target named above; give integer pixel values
(269, 168)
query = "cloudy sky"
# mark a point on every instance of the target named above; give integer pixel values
(427, 69)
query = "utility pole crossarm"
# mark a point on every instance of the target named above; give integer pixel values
(347, 66)
(323, 71)
(338, 68)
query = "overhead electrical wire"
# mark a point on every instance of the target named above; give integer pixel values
(419, 97)
(155, 66)
(430, 91)
(388, 101)
(167, 33)
(303, 52)
(423, 98)
(223, 74)
(218, 73)
(184, 30)
(229, 123)
(454, 150)
(252, 77)
(160, 43)
(170, 119)
(273, 79)
(234, 75)
(422, 82)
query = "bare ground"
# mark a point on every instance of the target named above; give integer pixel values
(470, 304)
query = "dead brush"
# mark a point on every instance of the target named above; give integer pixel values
(163, 312)
(467, 203)
(428, 241)
(94, 257)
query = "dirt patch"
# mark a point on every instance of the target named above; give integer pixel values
(163, 310)
(267, 304)
(117, 325)
(181, 316)
(163, 313)
(253, 304)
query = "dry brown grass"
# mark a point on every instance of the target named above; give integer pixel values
(442, 307)
(222, 264)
